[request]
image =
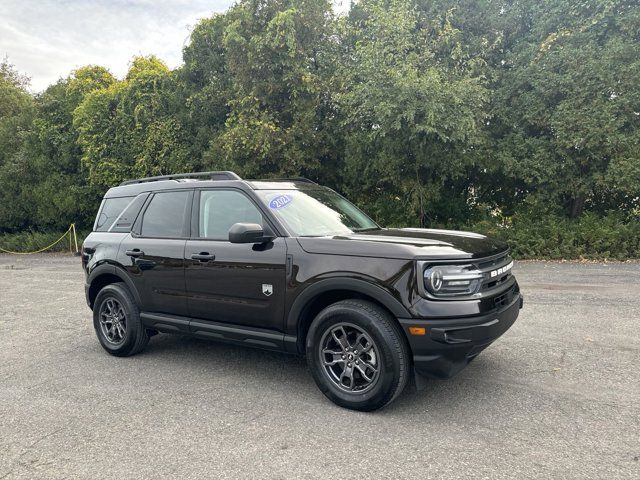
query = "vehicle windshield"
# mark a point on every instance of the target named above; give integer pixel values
(316, 213)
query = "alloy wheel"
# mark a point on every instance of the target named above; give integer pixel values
(113, 321)
(350, 358)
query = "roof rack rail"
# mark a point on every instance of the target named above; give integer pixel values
(221, 175)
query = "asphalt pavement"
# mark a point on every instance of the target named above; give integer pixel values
(558, 396)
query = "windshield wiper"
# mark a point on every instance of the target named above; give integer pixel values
(368, 229)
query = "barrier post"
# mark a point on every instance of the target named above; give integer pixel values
(75, 239)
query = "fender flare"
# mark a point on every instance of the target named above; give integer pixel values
(356, 285)
(111, 269)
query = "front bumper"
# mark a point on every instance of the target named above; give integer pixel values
(450, 344)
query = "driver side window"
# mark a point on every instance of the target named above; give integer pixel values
(220, 209)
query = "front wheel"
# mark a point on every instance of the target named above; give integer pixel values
(358, 355)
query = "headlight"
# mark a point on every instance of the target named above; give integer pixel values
(452, 280)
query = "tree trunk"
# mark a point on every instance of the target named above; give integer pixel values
(577, 205)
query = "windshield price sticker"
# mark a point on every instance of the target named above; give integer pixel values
(280, 201)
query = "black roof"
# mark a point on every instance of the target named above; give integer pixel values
(204, 179)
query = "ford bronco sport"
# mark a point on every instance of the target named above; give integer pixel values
(292, 266)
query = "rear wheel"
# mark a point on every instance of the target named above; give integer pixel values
(116, 320)
(358, 355)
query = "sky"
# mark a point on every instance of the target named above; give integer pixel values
(47, 39)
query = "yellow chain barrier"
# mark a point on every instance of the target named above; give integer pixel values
(71, 231)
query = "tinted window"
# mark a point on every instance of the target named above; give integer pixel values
(111, 208)
(126, 219)
(220, 209)
(164, 217)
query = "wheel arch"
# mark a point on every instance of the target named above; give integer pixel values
(106, 275)
(325, 292)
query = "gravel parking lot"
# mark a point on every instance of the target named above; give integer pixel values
(557, 396)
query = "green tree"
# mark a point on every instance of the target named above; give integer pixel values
(131, 128)
(501, 114)
(412, 103)
(262, 73)
(567, 105)
(205, 85)
(62, 192)
(17, 110)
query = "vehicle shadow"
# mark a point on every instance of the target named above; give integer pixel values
(288, 374)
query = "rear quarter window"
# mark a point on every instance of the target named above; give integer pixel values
(124, 222)
(110, 209)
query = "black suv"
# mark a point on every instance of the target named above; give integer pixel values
(292, 266)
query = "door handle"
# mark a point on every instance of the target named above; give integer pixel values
(203, 256)
(135, 253)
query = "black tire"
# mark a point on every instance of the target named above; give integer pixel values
(135, 336)
(387, 339)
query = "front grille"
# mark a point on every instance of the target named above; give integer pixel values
(495, 282)
(490, 282)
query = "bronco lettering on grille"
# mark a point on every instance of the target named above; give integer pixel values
(501, 270)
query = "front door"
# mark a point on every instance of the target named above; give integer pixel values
(242, 284)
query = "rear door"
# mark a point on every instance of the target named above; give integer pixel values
(242, 284)
(153, 253)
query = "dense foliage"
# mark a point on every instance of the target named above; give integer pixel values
(517, 118)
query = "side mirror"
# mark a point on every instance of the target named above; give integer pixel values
(249, 233)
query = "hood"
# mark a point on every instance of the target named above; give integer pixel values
(406, 243)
